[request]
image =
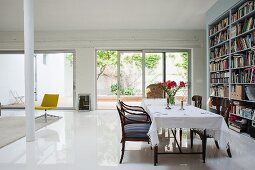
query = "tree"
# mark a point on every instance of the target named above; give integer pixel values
(105, 58)
(109, 58)
(151, 60)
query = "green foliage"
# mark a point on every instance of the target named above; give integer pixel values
(123, 91)
(104, 59)
(151, 60)
(184, 64)
(109, 58)
(114, 88)
(69, 59)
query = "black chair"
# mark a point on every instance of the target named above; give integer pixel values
(135, 131)
(224, 106)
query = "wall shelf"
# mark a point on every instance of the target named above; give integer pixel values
(235, 65)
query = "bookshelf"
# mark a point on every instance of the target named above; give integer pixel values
(232, 63)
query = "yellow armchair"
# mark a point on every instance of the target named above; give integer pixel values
(50, 101)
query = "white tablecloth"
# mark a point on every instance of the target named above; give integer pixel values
(191, 117)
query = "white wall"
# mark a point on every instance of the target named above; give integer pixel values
(86, 42)
(12, 73)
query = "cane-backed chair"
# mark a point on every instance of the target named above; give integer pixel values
(154, 91)
(135, 131)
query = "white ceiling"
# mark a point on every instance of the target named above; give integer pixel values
(54, 15)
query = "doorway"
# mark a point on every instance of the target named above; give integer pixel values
(53, 74)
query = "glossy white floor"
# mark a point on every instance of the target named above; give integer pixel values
(90, 140)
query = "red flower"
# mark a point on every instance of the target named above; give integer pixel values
(182, 84)
(173, 84)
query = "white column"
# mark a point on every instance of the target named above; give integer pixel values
(29, 68)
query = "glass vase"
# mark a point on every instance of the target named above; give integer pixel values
(170, 101)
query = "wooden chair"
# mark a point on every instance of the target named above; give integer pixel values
(134, 113)
(197, 100)
(135, 131)
(154, 91)
(224, 107)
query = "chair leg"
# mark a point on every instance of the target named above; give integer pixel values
(122, 150)
(45, 116)
(191, 138)
(217, 144)
(229, 152)
(155, 155)
(180, 136)
(204, 138)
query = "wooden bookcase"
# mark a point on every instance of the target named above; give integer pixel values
(232, 62)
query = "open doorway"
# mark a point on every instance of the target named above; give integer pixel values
(53, 74)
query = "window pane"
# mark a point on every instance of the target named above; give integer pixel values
(177, 70)
(106, 79)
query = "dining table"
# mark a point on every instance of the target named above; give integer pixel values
(189, 117)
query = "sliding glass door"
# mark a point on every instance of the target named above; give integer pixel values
(107, 79)
(130, 77)
(126, 74)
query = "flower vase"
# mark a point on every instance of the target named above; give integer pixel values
(170, 101)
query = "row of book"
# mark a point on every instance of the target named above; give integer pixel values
(222, 24)
(221, 37)
(220, 91)
(242, 60)
(219, 65)
(243, 111)
(243, 43)
(219, 75)
(219, 51)
(243, 10)
(243, 76)
(242, 27)
(220, 80)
